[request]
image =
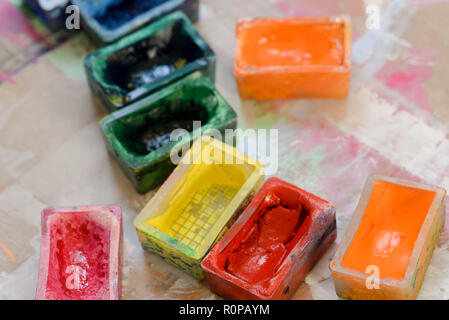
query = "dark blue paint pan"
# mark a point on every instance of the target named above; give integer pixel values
(106, 21)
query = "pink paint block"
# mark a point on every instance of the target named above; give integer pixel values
(80, 253)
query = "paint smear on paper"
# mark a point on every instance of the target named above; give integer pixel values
(23, 38)
(69, 57)
(321, 8)
(330, 163)
(395, 135)
(15, 26)
(426, 2)
(409, 81)
(296, 8)
(374, 47)
(8, 252)
(5, 78)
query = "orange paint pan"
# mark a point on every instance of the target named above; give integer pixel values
(293, 58)
(388, 245)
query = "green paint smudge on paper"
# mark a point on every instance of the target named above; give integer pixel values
(68, 58)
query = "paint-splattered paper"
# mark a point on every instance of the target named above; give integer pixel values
(394, 122)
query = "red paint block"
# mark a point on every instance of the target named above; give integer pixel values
(273, 245)
(80, 253)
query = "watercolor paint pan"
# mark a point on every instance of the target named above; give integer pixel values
(293, 58)
(388, 245)
(51, 12)
(138, 136)
(80, 253)
(148, 60)
(106, 21)
(270, 249)
(198, 203)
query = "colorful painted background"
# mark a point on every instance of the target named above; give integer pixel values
(395, 122)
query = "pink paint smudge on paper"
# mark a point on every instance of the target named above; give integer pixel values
(14, 24)
(409, 84)
(409, 81)
(5, 78)
(330, 163)
(20, 42)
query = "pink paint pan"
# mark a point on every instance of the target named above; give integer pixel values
(80, 253)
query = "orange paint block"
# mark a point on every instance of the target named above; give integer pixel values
(390, 240)
(293, 58)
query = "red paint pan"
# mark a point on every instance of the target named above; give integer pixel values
(273, 245)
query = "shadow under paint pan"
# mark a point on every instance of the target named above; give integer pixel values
(388, 245)
(148, 60)
(106, 21)
(197, 203)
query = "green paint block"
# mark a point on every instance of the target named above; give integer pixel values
(148, 60)
(138, 136)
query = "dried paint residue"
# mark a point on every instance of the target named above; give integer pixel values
(272, 42)
(206, 192)
(389, 229)
(257, 253)
(8, 252)
(409, 81)
(79, 258)
(15, 26)
(20, 41)
(332, 163)
(268, 242)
